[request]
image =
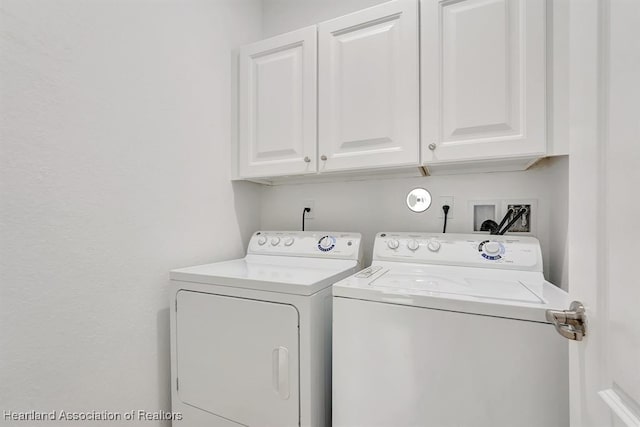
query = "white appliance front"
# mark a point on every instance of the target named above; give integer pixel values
(408, 367)
(236, 353)
(251, 338)
(440, 331)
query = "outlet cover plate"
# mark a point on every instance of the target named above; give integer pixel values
(445, 200)
(309, 204)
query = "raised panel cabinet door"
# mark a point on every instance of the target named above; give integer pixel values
(483, 79)
(368, 88)
(277, 103)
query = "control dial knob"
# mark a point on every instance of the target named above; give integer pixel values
(326, 243)
(288, 241)
(393, 244)
(413, 245)
(433, 245)
(262, 240)
(275, 241)
(492, 248)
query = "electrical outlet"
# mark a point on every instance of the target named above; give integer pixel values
(445, 200)
(309, 204)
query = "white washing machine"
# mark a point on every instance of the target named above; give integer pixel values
(251, 337)
(449, 330)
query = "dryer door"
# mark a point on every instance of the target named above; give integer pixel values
(238, 358)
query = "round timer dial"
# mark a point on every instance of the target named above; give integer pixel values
(491, 250)
(326, 243)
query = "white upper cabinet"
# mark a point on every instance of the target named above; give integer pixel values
(456, 85)
(483, 80)
(277, 102)
(368, 76)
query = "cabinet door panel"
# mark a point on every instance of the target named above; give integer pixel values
(483, 75)
(368, 88)
(277, 105)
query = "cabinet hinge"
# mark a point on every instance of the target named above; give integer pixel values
(177, 384)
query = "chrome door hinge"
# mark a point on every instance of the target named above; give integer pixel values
(572, 323)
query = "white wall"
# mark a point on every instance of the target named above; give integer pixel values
(114, 168)
(372, 206)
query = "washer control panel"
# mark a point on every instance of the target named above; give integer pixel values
(470, 250)
(307, 244)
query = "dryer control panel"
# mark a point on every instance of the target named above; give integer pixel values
(316, 244)
(465, 250)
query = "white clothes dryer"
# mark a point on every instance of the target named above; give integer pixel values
(449, 330)
(251, 337)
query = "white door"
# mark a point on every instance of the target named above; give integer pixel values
(277, 102)
(483, 79)
(604, 211)
(368, 88)
(238, 358)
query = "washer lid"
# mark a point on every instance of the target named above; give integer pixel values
(523, 295)
(460, 284)
(291, 275)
